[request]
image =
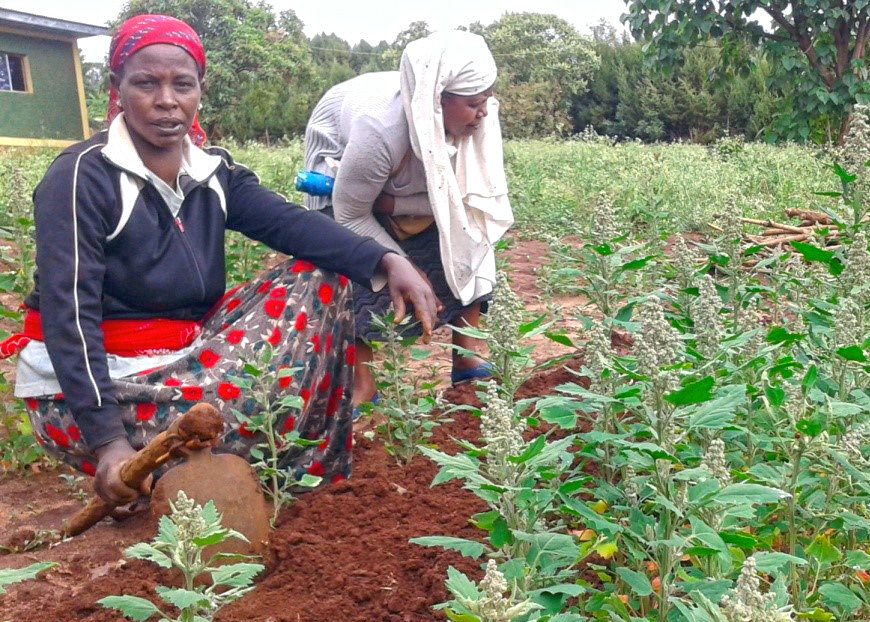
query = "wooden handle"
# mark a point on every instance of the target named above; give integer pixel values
(202, 424)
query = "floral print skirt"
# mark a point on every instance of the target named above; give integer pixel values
(304, 314)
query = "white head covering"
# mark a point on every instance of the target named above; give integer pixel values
(468, 195)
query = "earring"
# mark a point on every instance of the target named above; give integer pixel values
(200, 106)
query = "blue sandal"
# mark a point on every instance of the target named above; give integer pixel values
(460, 376)
(356, 413)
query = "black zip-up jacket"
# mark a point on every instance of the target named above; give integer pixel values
(107, 246)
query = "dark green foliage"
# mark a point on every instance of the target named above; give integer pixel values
(816, 50)
(260, 80)
(632, 98)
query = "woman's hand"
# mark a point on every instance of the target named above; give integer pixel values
(384, 204)
(107, 482)
(407, 285)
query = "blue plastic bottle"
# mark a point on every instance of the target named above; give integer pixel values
(315, 184)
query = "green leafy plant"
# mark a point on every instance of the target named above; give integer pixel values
(182, 537)
(410, 406)
(260, 382)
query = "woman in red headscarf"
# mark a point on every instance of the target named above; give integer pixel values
(128, 322)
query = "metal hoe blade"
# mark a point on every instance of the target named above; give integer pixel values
(231, 484)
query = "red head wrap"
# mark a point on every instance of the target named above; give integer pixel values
(142, 30)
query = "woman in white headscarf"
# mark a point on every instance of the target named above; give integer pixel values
(417, 160)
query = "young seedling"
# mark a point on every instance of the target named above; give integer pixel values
(182, 537)
(410, 406)
(259, 382)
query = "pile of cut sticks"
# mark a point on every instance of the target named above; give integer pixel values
(814, 226)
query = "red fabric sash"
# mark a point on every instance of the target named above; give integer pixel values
(120, 337)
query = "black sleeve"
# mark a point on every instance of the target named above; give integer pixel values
(71, 228)
(269, 218)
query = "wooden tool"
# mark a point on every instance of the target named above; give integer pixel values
(226, 479)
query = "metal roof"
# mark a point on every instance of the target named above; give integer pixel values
(48, 25)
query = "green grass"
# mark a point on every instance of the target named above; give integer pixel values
(554, 183)
(680, 186)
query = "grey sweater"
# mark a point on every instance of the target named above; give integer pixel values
(361, 123)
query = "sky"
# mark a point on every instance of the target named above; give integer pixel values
(352, 20)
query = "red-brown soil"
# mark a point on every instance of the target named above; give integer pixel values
(340, 554)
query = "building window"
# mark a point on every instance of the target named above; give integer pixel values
(13, 72)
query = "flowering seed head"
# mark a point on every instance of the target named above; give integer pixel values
(714, 462)
(732, 227)
(604, 222)
(658, 345)
(504, 317)
(747, 603)
(855, 150)
(684, 261)
(848, 329)
(598, 356)
(851, 443)
(855, 277)
(795, 402)
(709, 328)
(187, 516)
(502, 432)
(492, 605)
(750, 322)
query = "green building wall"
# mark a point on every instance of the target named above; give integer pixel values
(52, 110)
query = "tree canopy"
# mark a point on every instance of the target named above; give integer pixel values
(817, 50)
(260, 71)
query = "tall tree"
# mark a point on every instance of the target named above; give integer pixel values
(543, 64)
(817, 49)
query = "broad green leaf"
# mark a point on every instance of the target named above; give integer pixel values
(719, 412)
(559, 338)
(637, 581)
(236, 575)
(769, 562)
(9, 576)
(839, 596)
(637, 264)
(845, 177)
(816, 615)
(468, 548)
(578, 391)
(694, 393)
(181, 598)
(778, 334)
(460, 585)
(532, 449)
(750, 493)
(551, 551)
(214, 538)
(740, 540)
(500, 533)
(560, 415)
(858, 559)
(145, 551)
(812, 253)
(454, 616)
(852, 353)
(810, 378)
(592, 519)
(132, 607)
(822, 550)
